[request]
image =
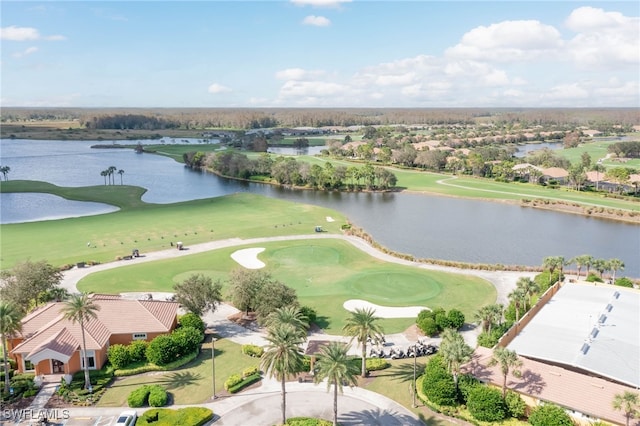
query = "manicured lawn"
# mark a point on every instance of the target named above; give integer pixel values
(151, 227)
(190, 384)
(324, 273)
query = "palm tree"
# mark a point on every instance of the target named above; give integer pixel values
(110, 171)
(120, 172)
(628, 403)
(519, 299)
(104, 174)
(552, 263)
(10, 323)
(615, 265)
(283, 356)
(455, 352)
(528, 287)
(290, 315)
(489, 315)
(335, 365)
(362, 325)
(583, 260)
(81, 308)
(5, 171)
(600, 265)
(508, 361)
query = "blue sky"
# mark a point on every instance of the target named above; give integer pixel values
(320, 53)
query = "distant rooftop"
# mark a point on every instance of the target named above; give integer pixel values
(593, 328)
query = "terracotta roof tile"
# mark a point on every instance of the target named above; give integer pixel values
(62, 342)
(580, 392)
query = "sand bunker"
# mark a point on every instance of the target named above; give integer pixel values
(384, 311)
(330, 219)
(248, 258)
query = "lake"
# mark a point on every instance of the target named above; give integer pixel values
(424, 226)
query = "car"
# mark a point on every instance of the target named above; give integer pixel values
(127, 418)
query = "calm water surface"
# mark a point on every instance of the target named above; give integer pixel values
(425, 226)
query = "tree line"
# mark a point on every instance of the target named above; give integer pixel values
(289, 171)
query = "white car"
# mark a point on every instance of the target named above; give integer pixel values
(127, 418)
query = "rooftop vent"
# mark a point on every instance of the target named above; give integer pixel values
(602, 319)
(616, 294)
(594, 333)
(585, 348)
(609, 307)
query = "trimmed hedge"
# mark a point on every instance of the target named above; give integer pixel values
(249, 380)
(190, 416)
(139, 397)
(252, 350)
(375, 364)
(307, 421)
(146, 367)
(250, 371)
(154, 395)
(233, 380)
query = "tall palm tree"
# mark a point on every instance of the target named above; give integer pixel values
(111, 170)
(583, 260)
(290, 315)
(615, 265)
(81, 308)
(552, 263)
(335, 365)
(283, 356)
(455, 352)
(363, 325)
(600, 265)
(628, 402)
(489, 315)
(519, 299)
(120, 172)
(10, 323)
(5, 171)
(104, 174)
(508, 361)
(528, 287)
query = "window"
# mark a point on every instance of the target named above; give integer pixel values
(139, 336)
(28, 365)
(91, 359)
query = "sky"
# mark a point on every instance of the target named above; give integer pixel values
(320, 53)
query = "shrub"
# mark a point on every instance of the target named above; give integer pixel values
(307, 421)
(233, 380)
(624, 282)
(137, 350)
(244, 383)
(249, 371)
(489, 340)
(428, 326)
(442, 392)
(252, 350)
(549, 415)
(192, 320)
(466, 382)
(516, 407)
(161, 350)
(593, 278)
(309, 313)
(375, 364)
(442, 321)
(157, 396)
(186, 340)
(118, 356)
(486, 404)
(193, 416)
(456, 318)
(139, 397)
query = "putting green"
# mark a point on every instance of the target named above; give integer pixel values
(394, 288)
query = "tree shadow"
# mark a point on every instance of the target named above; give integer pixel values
(179, 379)
(532, 383)
(377, 416)
(402, 372)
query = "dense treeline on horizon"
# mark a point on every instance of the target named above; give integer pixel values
(603, 119)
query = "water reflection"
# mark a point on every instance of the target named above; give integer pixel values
(31, 207)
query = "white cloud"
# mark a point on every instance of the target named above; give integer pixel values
(320, 3)
(14, 33)
(292, 89)
(299, 74)
(566, 92)
(604, 39)
(316, 21)
(508, 41)
(216, 88)
(26, 52)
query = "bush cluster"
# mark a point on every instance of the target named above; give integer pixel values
(307, 421)
(549, 415)
(192, 320)
(438, 384)
(252, 350)
(195, 416)
(433, 322)
(153, 395)
(486, 404)
(167, 348)
(374, 364)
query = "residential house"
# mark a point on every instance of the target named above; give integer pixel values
(558, 174)
(51, 344)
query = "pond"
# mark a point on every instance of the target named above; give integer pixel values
(421, 225)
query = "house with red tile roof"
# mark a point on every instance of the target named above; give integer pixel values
(50, 344)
